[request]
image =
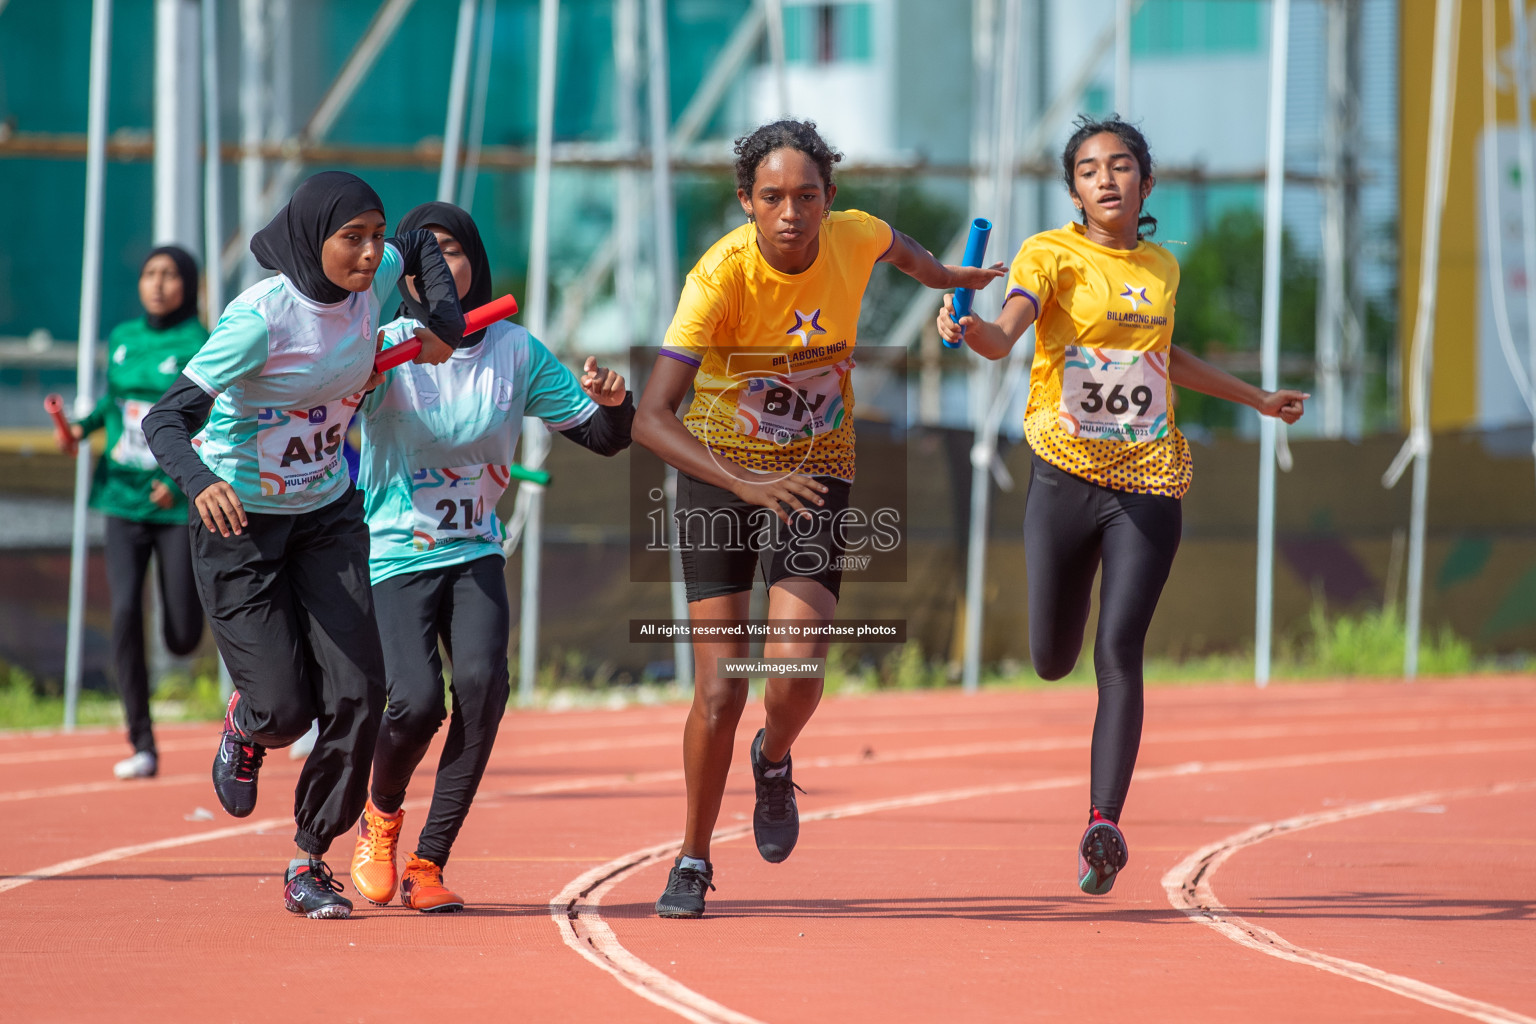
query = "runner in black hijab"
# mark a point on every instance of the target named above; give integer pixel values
(457, 223)
(290, 244)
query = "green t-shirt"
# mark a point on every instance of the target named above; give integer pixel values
(141, 364)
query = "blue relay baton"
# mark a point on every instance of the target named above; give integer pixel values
(975, 252)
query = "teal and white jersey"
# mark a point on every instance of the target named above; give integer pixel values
(286, 374)
(437, 441)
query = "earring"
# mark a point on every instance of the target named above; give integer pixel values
(826, 214)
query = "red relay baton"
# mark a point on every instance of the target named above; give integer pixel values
(474, 320)
(55, 408)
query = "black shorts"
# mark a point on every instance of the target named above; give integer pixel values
(723, 540)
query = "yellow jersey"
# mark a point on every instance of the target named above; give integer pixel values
(1100, 399)
(774, 390)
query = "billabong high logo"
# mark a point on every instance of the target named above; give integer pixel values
(807, 326)
(1135, 296)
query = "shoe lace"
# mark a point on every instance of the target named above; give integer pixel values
(426, 872)
(777, 794)
(248, 758)
(321, 877)
(693, 881)
(381, 830)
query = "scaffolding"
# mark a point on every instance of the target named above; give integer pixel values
(1013, 127)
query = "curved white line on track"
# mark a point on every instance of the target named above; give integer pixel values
(1188, 885)
(576, 909)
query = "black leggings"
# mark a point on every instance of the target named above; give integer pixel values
(1070, 526)
(129, 546)
(466, 605)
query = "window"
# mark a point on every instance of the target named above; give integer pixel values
(829, 33)
(1167, 28)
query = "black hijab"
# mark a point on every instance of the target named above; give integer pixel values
(291, 242)
(457, 223)
(186, 269)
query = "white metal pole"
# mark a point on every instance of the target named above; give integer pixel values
(90, 323)
(458, 87)
(1331, 268)
(253, 96)
(1417, 447)
(213, 214)
(213, 227)
(983, 374)
(1447, 20)
(477, 113)
(535, 436)
(774, 9)
(176, 122)
(626, 60)
(1123, 58)
(660, 111)
(1527, 182)
(1269, 333)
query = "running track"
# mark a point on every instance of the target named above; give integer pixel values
(1321, 853)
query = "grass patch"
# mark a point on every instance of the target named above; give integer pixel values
(1367, 644)
(25, 704)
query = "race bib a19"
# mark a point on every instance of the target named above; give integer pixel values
(298, 448)
(132, 449)
(793, 407)
(457, 503)
(1111, 394)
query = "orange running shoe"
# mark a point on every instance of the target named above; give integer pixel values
(373, 859)
(421, 888)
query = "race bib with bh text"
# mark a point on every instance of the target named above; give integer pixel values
(789, 408)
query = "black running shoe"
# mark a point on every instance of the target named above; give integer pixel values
(313, 892)
(1100, 856)
(775, 818)
(684, 896)
(236, 765)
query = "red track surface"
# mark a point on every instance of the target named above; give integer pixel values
(941, 886)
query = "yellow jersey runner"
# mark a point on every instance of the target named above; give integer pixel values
(774, 351)
(1100, 401)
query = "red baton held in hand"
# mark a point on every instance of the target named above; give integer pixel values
(475, 320)
(55, 407)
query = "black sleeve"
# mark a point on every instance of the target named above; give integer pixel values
(434, 281)
(607, 430)
(169, 426)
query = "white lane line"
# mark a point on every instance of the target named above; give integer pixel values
(120, 786)
(576, 910)
(271, 824)
(577, 915)
(103, 750)
(1188, 885)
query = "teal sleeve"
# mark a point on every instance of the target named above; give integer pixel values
(554, 393)
(237, 348)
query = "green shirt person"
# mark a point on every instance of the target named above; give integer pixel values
(145, 512)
